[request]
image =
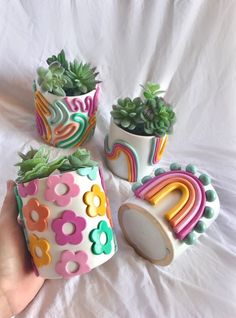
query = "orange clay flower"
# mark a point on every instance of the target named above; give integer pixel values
(36, 215)
(95, 201)
(39, 250)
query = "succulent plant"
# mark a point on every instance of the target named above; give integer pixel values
(79, 159)
(54, 79)
(83, 77)
(63, 78)
(35, 163)
(151, 116)
(126, 113)
(61, 58)
(158, 117)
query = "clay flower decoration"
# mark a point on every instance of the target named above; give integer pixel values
(96, 201)
(68, 218)
(36, 215)
(69, 191)
(28, 189)
(79, 259)
(39, 249)
(101, 238)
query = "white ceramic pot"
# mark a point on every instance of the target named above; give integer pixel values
(131, 156)
(66, 122)
(167, 213)
(67, 222)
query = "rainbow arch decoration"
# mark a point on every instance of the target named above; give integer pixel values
(157, 149)
(184, 216)
(131, 155)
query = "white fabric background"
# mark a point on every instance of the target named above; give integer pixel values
(189, 47)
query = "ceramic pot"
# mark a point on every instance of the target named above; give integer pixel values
(168, 212)
(66, 122)
(131, 156)
(67, 222)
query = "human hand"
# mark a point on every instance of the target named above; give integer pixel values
(18, 283)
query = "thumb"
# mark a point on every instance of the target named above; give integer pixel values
(9, 206)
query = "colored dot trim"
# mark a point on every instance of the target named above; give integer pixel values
(208, 212)
(200, 227)
(190, 239)
(205, 179)
(191, 168)
(210, 195)
(159, 171)
(175, 166)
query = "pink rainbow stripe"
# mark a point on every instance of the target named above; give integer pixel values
(186, 225)
(122, 147)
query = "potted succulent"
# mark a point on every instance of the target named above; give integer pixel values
(66, 101)
(138, 133)
(65, 213)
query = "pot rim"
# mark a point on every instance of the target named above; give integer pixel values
(69, 96)
(134, 135)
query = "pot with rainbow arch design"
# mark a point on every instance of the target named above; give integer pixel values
(67, 222)
(66, 122)
(131, 156)
(168, 212)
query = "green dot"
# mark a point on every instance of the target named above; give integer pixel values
(175, 166)
(136, 185)
(200, 227)
(191, 168)
(159, 171)
(210, 195)
(208, 212)
(146, 179)
(205, 179)
(190, 239)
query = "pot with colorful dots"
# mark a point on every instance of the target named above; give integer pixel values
(168, 212)
(67, 222)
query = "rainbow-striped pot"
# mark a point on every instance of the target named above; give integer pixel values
(67, 222)
(66, 122)
(168, 212)
(130, 156)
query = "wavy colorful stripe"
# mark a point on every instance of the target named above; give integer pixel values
(59, 113)
(158, 148)
(42, 112)
(69, 135)
(131, 155)
(89, 131)
(185, 214)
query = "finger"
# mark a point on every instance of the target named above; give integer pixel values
(9, 204)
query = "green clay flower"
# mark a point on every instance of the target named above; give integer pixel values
(99, 244)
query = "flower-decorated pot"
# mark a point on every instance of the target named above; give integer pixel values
(131, 156)
(66, 122)
(67, 222)
(168, 212)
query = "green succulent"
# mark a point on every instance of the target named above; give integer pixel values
(61, 58)
(158, 117)
(67, 79)
(79, 159)
(54, 79)
(151, 90)
(35, 163)
(83, 77)
(126, 113)
(151, 116)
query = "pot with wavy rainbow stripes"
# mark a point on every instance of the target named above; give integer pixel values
(66, 122)
(131, 156)
(168, 212)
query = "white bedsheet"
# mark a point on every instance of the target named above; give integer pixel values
(189, 47)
